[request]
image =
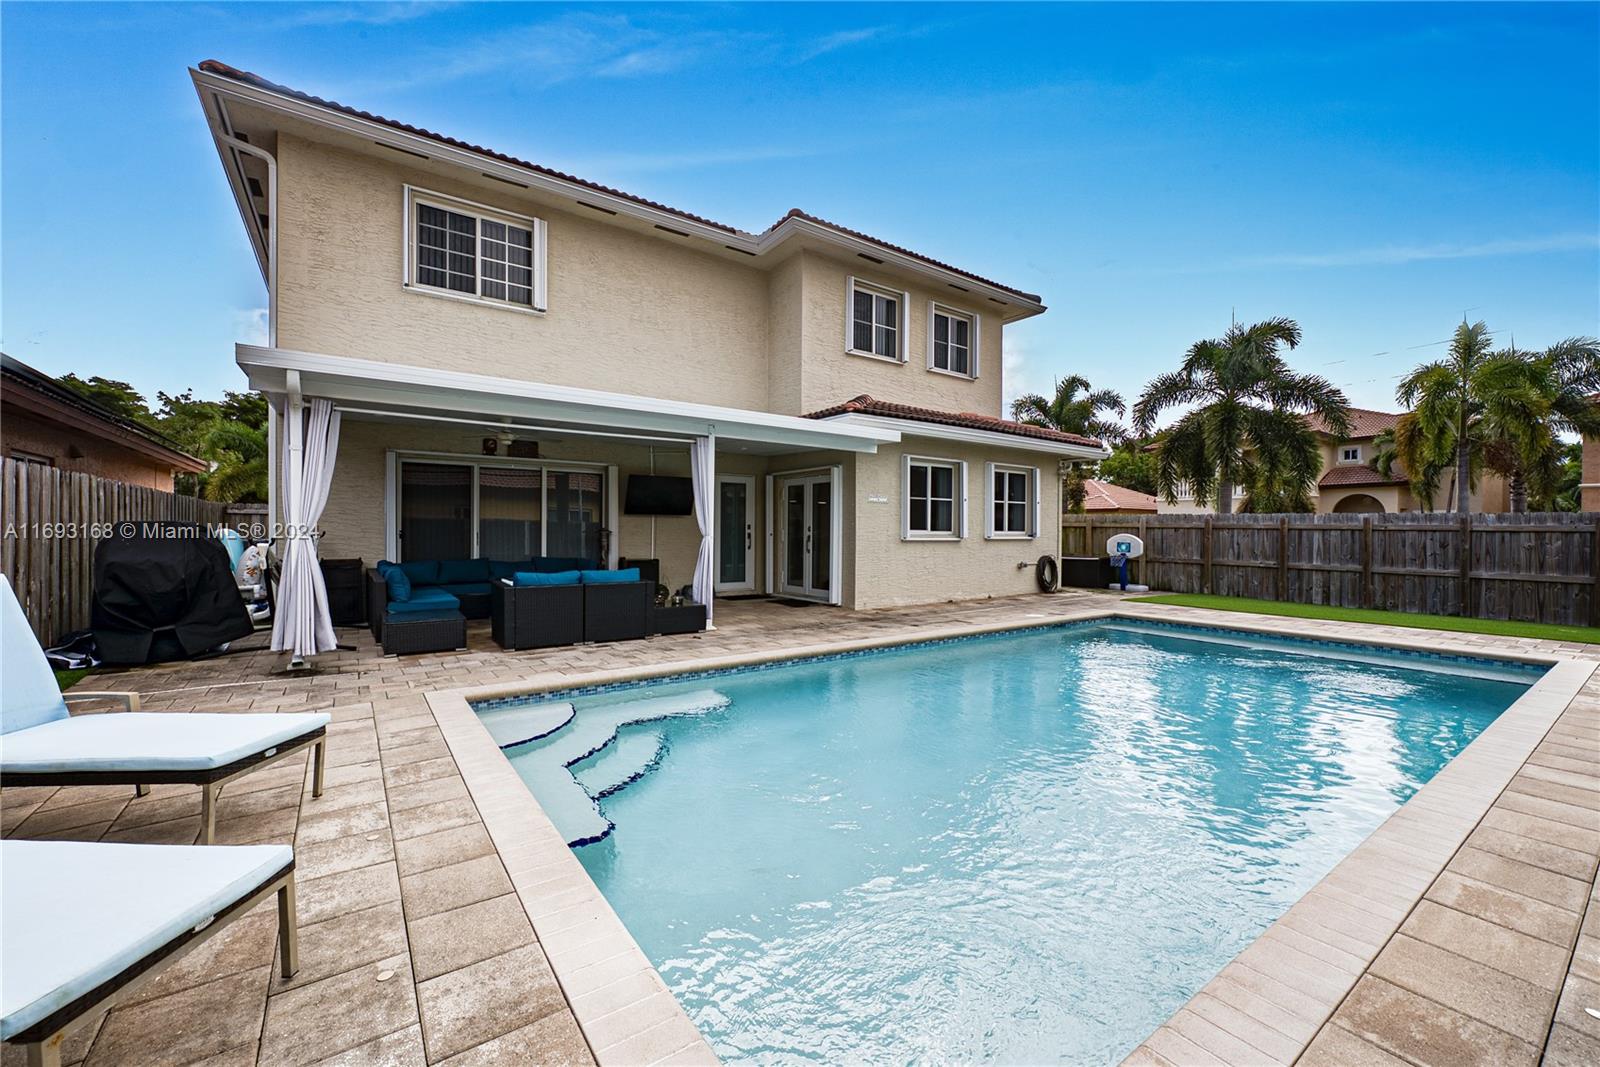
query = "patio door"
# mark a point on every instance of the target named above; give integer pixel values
(806, 536)
(736, 534)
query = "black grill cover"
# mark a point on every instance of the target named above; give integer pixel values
(165, 591)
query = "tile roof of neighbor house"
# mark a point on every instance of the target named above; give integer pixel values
(15, 373)
(866, 405)
(1103, 496)
(1357, 474)
(213, 66)
(1364, 423)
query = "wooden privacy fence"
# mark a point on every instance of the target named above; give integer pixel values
(1542, 567)
(52, 520)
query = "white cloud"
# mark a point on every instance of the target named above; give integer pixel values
(359, 14)
(1399, 254)
(250, 326)
(1018, 372)
(842, 39)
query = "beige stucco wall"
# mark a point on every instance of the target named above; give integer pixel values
(627, 313)
(830, 375)
(1589, 497)
(890, 571)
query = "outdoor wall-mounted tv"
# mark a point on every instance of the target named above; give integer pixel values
(656, 494)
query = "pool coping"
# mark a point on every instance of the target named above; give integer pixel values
(629, 1016)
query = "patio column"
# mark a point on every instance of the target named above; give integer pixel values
(703, 468)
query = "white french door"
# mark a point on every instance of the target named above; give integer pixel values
(736, 534)
(805, 529)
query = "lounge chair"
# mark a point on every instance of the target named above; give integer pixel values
(82, 922)
(41, 743)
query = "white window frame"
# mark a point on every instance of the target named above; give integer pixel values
(416, 197)
(903, 302)
(974, 338)
(958, 489)
(1349, 459)
(1032, 503)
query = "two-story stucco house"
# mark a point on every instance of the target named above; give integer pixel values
(1350, 484)
(509, 347)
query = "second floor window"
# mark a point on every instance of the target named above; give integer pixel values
(470, 253)
(1350, 454)
(953, 340)
(877, 321)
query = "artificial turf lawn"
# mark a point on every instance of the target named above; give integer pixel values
(1538, 631)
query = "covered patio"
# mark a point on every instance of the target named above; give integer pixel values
(404, 463)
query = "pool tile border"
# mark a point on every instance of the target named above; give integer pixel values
(1279, 991)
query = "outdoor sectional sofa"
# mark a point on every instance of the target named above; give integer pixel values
(570, 611)
(442, 594)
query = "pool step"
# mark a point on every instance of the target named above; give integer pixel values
(546, 765)
(519, 725)
(630, 757)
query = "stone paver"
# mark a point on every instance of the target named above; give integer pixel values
(415, 949)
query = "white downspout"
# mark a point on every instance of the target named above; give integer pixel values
(272, 228)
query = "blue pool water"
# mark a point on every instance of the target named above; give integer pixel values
(1018, 849)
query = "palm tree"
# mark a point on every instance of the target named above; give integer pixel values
(240, 454)
(1391, 445)
(1075, 407)
(1539, 396)
(1481, 408)
(1248, 424)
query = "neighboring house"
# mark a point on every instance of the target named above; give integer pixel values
(1103, 498)
(509, 345)
(1589, 474)
(1350, 484)
(52, 425)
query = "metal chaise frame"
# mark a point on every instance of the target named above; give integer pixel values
(210, 781)
(42, 1041)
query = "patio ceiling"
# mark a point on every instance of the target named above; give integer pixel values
(399, 393)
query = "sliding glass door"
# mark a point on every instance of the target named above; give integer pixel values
(460, 510)
(435, 510)
(510, 522)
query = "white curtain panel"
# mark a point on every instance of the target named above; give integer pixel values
(302, 625)
(702, 460)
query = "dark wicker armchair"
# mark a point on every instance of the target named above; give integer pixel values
(617, 611)
(535, 616)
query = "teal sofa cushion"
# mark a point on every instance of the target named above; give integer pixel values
(540, 578)
(630, 574)
(431, 598)
(457, 571)
(399, 585)
(421, 571)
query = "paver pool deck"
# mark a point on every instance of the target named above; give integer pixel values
(434, 929)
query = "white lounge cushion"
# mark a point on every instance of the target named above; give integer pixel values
(76, 914)
(30, 694)
(154, 741)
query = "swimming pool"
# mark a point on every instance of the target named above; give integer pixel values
(1031, 847)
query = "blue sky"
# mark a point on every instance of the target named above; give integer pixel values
(1370, 170)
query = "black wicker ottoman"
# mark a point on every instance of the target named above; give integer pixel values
(423, 631)
(683, 619)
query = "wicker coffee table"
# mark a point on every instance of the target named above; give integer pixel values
(405, 633)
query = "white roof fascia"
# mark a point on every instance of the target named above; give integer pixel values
(966, 435)
(400, 386)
